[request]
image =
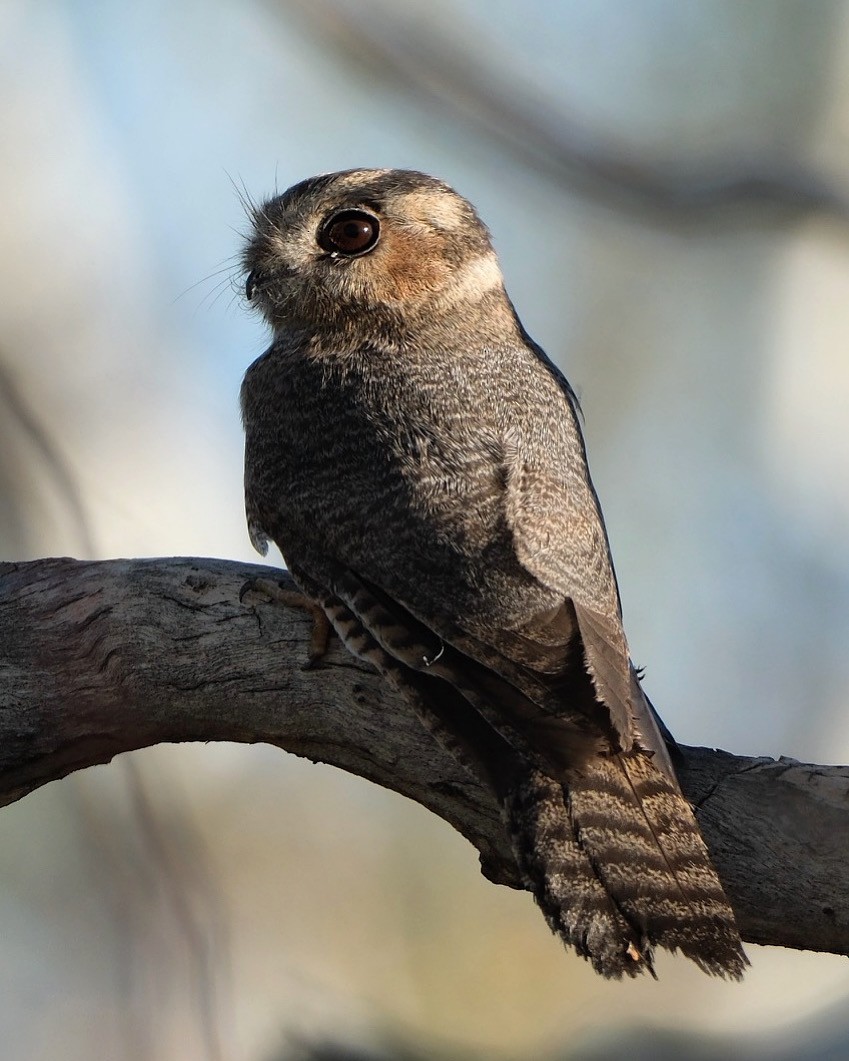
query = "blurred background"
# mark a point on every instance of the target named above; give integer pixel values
(667, 183)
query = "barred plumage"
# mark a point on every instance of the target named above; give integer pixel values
(419, 462)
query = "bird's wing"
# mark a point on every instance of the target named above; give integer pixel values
(559, 537)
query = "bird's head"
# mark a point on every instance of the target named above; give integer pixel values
(379, 245)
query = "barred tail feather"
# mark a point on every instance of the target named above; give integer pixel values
(618, 866)
(560, 874)
(644, 840)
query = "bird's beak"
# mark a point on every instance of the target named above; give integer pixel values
(253, 284)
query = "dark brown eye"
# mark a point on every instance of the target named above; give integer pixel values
(349, 233)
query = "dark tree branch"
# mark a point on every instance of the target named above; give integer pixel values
(101, 658)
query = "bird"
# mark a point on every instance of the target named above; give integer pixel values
(419, 462)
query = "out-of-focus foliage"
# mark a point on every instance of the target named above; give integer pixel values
(666, 183)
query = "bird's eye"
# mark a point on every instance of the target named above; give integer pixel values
(349, 233)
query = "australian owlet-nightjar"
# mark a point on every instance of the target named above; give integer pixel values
(419, 462)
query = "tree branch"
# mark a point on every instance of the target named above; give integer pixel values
(102, 658)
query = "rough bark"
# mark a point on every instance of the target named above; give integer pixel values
(101, 658)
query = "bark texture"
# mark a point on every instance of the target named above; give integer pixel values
(105, 657)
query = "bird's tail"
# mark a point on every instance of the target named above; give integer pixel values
(609, 846)
(618, 867)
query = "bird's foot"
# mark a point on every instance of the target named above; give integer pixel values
(322, 629)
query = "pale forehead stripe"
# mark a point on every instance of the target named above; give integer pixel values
(358, 177)
(439, 207)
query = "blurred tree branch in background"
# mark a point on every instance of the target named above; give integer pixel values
(98, 658)
(22, 425)
(423, 58)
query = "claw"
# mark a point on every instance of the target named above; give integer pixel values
(322, 629)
